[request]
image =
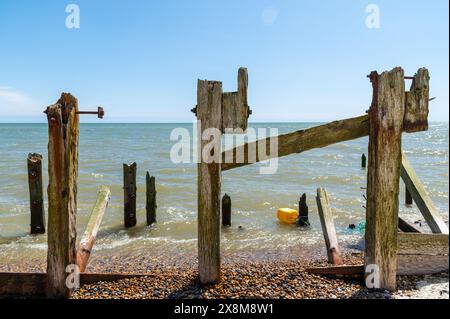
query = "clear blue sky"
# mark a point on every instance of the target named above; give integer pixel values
(307, 60)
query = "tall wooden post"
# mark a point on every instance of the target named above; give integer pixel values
(129, 191)
(34, 163)
(386, 117)
(303, 211)
(151, 199)
(363, 161)
(63, 127)
(209, 113)
(226, 210)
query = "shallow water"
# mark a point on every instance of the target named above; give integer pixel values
(255, 197)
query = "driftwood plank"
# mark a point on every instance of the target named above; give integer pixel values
(87, 241)
(421, 198)
(328, 229)
(386, 124)
(63, 126)
(151, 199)
(301, 141)
(209, 113)
(34, 164)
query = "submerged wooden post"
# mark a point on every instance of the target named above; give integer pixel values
(129, 190)
(63, 128)
(363, 161)
(303, 210)
(226, 210)
(421, 198)
(408, 197)
(328, 229)
(151, 199)
(386, 124)
(88, 239)
(34, 163)
(209, 114)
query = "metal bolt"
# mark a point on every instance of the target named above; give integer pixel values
(100, 112)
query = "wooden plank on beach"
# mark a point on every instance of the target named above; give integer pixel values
(88, 239)
(209, 114)
(342, 270)
(129, 194)
(328, 229)
(421, 198)
(34, 164)
(63, 128)
(151, 199)
(386, 116)
(300, 141)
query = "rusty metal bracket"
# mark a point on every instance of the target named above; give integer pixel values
(100, 112)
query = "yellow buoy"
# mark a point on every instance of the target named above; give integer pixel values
(287, 215)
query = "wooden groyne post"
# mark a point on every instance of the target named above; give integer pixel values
(216, 113)
(328, 229)
(34, 164)
(303, 210)
(151, 199)
(63, 131)
(88, 239)
(226, 211)
(129, 190)
(393, 111)
(363, 161)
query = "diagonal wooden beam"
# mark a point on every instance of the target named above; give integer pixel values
(87, 242)
(421, 198)
(302, 140)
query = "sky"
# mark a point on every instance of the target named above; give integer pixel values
(307, 60)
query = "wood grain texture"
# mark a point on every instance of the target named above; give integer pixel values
(384, 161)
(88, 239)
(209, 113)
(235, 110)
(301, 141)
(417, 101)
(34, 164)
(63, 125)
(151, 199)
(421, 198)
(328, 229)
(129, 194)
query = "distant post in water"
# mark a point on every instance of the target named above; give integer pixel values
(130, 190)
(63, 129)
(151, 199)
(34, 163)
(226, 211)
(363, 161)
(408, 197)
(303, 210)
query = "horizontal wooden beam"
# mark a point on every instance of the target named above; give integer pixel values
(33, 284)
(418, 254)
(302, 140)
(421, 198)
(406, 227)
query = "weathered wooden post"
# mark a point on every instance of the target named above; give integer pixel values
(363, 161)
(63, 127)
(328, 229)
(226, 211)
(393, 110)
(129, 190)
(303, 210)
(151, 199)
(34, 163)
(216, 111)
(88, 239)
